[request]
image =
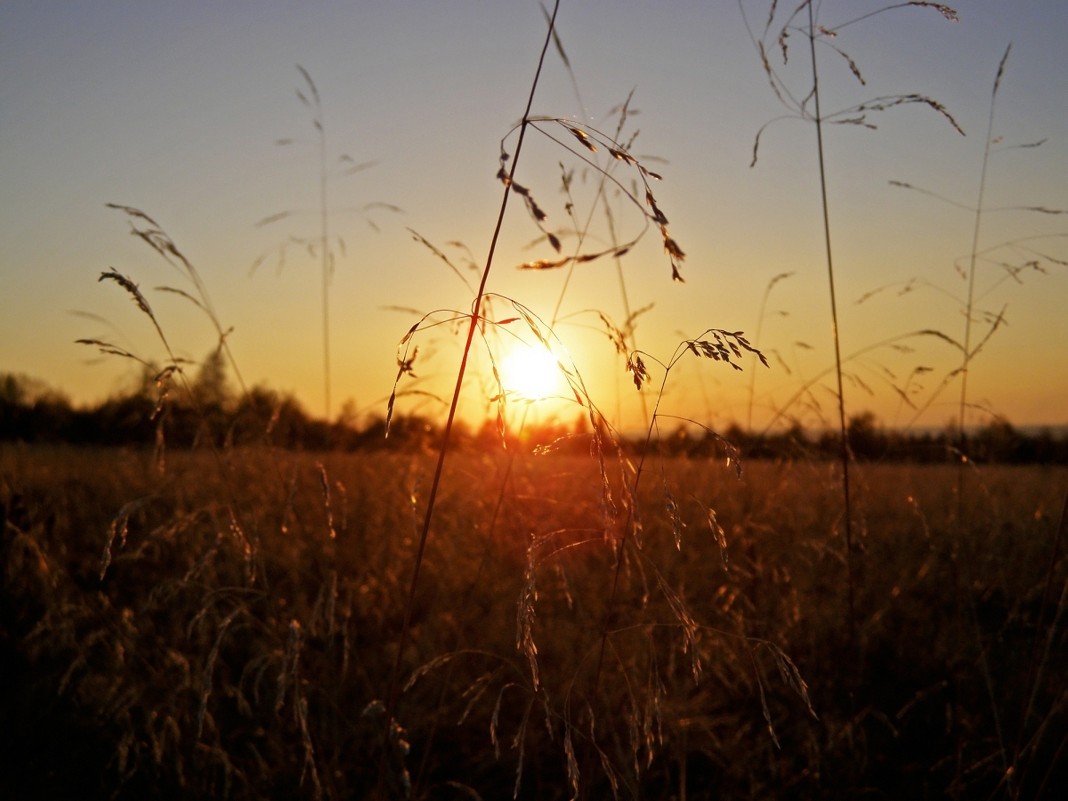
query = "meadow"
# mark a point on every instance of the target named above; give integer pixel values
(225, 610)
(233, 631)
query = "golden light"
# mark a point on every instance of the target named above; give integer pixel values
(531, 373)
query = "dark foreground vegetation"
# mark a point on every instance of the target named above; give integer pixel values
(226, 626)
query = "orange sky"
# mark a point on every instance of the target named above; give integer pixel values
(176, 110)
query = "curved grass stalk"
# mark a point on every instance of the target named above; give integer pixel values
(160, 242)
(809, 108)
(392, 696)
(807, 386)
(713, 343)
(152, 233)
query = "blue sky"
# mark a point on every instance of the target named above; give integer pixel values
(176, 108)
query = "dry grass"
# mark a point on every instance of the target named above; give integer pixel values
(249, 623)
(217, 662)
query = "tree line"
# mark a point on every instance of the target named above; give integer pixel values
(207, 413)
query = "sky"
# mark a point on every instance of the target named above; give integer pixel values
(178, 109)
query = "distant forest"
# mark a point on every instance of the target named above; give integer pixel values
(148, 416)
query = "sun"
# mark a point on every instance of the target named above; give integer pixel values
(531, 373)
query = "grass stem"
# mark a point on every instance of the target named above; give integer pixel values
(969, 305)
(850, 567)
(394, 681)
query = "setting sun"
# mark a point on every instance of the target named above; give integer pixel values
(531, 373)
(359, 411)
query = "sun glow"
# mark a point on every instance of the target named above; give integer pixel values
(531, 373)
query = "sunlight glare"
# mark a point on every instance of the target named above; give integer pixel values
(531, 373)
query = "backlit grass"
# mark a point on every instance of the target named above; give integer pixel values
(248, 660)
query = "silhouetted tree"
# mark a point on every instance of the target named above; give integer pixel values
(32, 411)
(211, 386)
(997, 441)
(866, 441)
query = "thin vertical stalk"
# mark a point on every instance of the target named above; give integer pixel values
(844, 453)
(970, 304)
(327, 263)
(392, 697)
(600, 195)
(961, 562)
(629, 315)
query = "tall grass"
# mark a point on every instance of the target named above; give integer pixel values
(491, 621)
(475, 319)
(176, 677)
(775, 36)
(1009, 743)
(324, 246)
(583, 704)
(1022, 258)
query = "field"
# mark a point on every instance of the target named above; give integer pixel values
(233, 626)
(480, 582)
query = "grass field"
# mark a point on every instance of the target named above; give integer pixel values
(448, 618)
(228, 628)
